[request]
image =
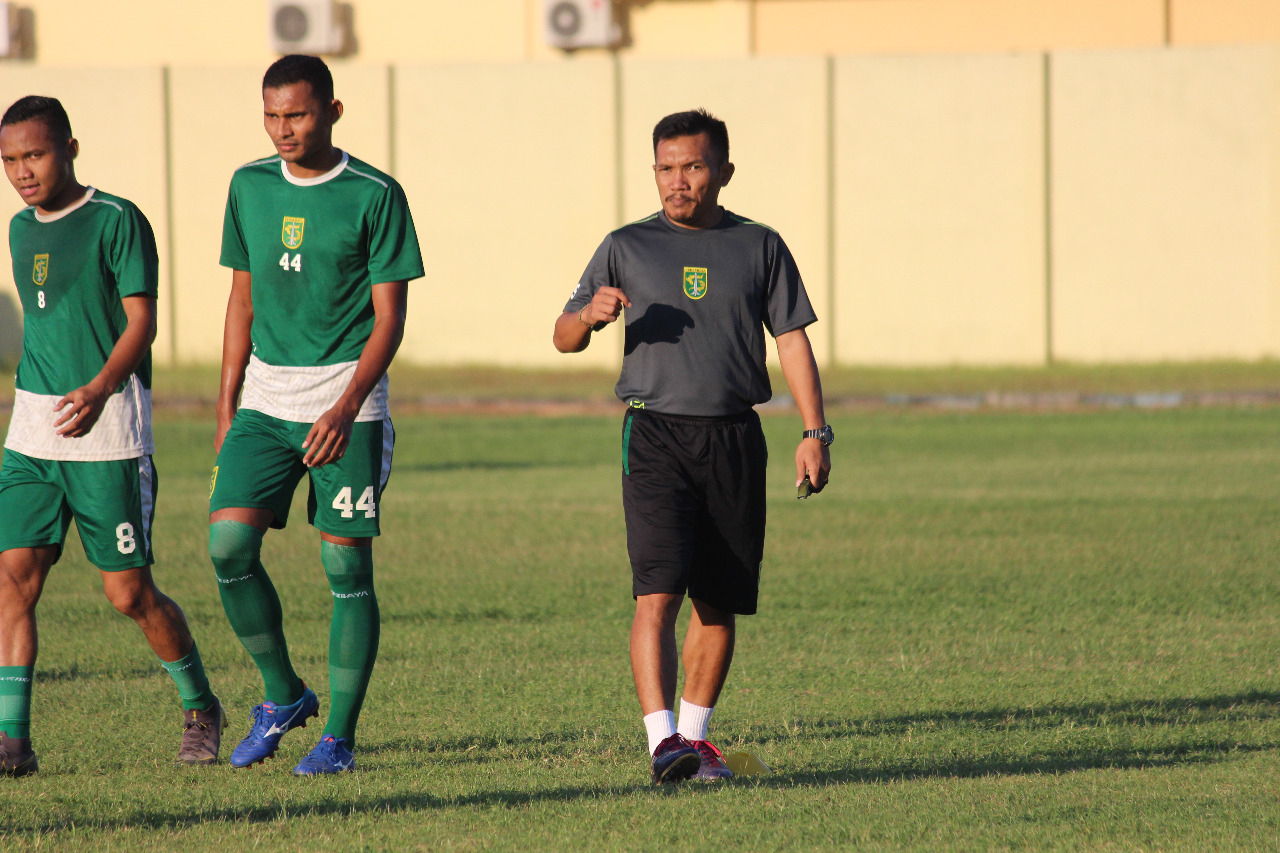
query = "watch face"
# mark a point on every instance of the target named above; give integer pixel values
(826, 435)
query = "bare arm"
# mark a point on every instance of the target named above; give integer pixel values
(800, 369)
(574, 328)
(331, 433)
(87, 402)
(236, 347)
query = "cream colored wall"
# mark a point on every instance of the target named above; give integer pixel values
(1164, 204)
(940, 210)
(791, 27)
(911, 189)
(509, 171)
(129, 164)
(776, 112)
(1200, 22)
(232, 33)
(129, 33)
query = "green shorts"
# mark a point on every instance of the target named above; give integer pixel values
(113, 504)
(260, 465)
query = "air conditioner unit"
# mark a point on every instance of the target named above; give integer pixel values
(304, 26)
(9, 30)
(580, 23)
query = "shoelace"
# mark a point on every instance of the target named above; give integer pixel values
(328, 749)
(707, 750)
(262, 715)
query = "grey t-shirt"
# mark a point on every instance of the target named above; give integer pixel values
(700, 302)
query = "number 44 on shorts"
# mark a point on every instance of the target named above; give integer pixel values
(365, 504)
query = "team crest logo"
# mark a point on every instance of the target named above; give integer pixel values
(291, 233)
(695, 282)
(40, 272)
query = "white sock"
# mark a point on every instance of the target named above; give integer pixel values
(660, 725)
(694, 720)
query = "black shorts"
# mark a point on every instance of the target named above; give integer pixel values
(693, 490)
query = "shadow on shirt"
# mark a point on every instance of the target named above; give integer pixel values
(661, 324)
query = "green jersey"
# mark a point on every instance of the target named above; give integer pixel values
(314, 248)
(72, 270)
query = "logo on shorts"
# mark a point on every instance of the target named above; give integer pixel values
(40, 272)
(291, 233)
(695, 282)
(213, 480)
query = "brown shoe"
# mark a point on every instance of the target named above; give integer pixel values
(16, 757)
(202, 735)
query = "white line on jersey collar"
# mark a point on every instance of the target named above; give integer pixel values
(66, 211)
(318, 179)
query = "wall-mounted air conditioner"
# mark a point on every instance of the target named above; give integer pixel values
(580, 23)
(304, 26)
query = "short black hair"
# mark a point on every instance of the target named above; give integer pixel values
(46, 109)
(691, 123)
(299, 68)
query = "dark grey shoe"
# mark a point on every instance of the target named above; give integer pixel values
(202, 735)
(674, 760)
(713, 768)
(16, 756)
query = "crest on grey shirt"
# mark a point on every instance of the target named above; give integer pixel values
(695, 282)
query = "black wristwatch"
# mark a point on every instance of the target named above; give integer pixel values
(826, 435)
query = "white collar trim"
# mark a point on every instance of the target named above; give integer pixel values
(66, 211)
(318, 179)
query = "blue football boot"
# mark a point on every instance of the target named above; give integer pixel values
(270, 722)
(331, 755)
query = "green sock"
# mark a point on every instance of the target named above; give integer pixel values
(193, 684)
(353, 634)
(253, 607)
(15, 700)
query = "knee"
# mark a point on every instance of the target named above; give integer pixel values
(234, 548)
(21, 579)
(658, 610)
(713, 617)
(349, 569)
(134, 600)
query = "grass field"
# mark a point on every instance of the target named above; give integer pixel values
(994, 630)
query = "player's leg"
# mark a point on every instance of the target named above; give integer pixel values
(114, 506)
(250, 599)
(657, 506)
(707, 654)
(257, 470)
(36, 518)
(725, 578)
(654, 665)
(345, 505)
(22, 575)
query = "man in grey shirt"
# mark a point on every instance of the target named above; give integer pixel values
(700, 286)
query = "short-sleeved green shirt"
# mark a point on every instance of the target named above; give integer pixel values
(314, 248)
(72, 269)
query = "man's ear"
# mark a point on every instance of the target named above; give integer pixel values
(726, 173)
(335, 111)
(73, 148)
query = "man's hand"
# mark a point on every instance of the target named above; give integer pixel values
(605, 307)
(329, 437)
(813, 459)
(83, 408)
(220, 433)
